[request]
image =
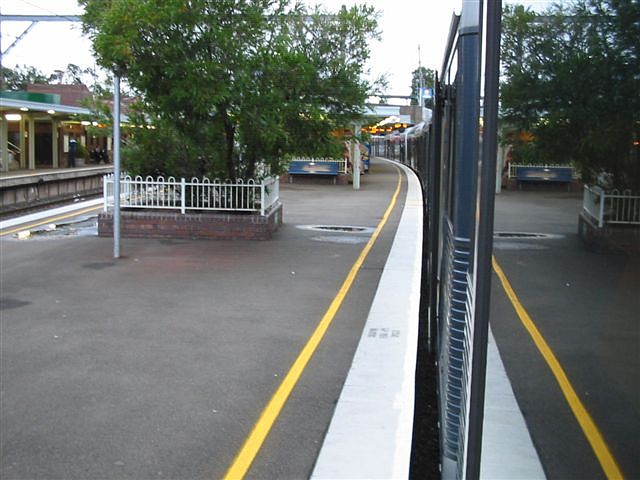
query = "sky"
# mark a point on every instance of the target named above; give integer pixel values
(405, 25)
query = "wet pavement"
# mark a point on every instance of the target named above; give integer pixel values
(586, 305)
(157, 365)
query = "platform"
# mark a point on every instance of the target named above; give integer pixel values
(20, 189)
(159, 364)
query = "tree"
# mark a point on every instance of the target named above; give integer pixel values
(73, 75)
(425, 77)
(19, 77)
(232, 82)
(571, 81)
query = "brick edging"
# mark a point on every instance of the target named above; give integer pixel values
(206, 225)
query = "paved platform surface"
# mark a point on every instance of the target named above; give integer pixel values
(587, 307)
(24, 173)
(157, 365)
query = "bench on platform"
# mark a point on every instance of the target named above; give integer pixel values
(543, 174)
(309, 167)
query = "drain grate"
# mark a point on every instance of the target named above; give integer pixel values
(337, 228)
(524, 235)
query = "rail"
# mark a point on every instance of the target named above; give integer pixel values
(198, 194)
(7, 158)
(611, 208)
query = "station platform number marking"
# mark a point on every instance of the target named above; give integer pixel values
(383, 333)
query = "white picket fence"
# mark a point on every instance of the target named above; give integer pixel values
(615, 207)
(198, 194)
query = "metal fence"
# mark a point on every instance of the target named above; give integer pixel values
(198, 194)
(611, 208)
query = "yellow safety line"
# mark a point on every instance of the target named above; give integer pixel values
(256, 438)
(589, 428)
(49, 220)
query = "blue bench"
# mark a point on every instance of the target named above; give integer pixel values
(309, 167)
(543, 174)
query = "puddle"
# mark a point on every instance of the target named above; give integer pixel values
(7, 303)
(499, 245)
(86, 226)
(522, 240)
(98, 265)
(524, 235)
(343, 239)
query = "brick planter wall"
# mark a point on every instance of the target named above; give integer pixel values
(209, 225)
(610, 238)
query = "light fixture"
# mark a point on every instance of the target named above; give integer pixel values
(85, 122)
(51, 112)
(24, 109)
(12, 117)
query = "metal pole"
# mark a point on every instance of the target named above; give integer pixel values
(116, 166)
(484, 238)
(355, 163)
(433, 208)
(1, 76)
(355, 157)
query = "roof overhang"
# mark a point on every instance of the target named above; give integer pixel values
(9, 104)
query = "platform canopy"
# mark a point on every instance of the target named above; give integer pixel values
(37, 102)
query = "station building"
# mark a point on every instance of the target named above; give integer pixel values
(37, 125)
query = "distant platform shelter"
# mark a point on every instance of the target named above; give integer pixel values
(37, 126)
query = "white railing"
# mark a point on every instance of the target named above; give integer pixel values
(615, 207)
(342, 162)
(198, 194)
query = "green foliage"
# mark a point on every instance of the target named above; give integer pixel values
(82, 151)
(19, 77)
(427, 78)
(73, 75)
(161, 148)
(571, 79)
(233, 82)
(99, 103)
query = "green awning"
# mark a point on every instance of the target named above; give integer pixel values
(49, 98)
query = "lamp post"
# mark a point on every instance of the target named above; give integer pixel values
(116, 165)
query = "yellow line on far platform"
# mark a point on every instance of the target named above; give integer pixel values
(256, 438)
(589, 428)
(75, 213)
